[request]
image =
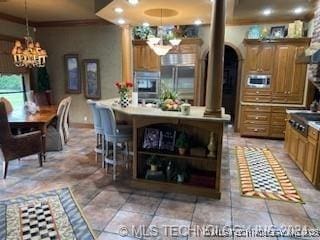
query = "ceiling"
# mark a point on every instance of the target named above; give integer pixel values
(187, 10)
(50, 10)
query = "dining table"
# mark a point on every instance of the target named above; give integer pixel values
(22, 119)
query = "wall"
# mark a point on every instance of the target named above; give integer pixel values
(101, 42)
(12, 29)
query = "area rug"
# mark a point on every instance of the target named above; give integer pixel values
(262, 176)
(51, 215)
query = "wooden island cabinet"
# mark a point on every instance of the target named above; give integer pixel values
(263, 110)
(304, 151)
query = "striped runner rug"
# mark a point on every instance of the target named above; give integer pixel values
(262, 176)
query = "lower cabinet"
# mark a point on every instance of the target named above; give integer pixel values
(304, 151)
(262, 121)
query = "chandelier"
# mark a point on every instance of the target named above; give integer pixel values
(157, 44)
(32, 55)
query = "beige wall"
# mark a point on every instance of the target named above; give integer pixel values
(12, 29)
(97, 42)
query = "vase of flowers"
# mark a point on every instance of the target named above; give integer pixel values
(123, 89)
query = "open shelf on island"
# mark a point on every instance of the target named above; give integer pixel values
(174, 155)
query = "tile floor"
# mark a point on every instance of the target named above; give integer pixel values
(108, 205)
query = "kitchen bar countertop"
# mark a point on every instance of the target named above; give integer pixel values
(196, 113)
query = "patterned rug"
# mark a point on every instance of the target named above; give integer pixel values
(52, 215)
(262, 176)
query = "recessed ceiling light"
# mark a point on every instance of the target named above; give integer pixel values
(198, 22)
(146, 24)
(133, 2)
(118, 10)
(267, 12)
(298, 10)
(121, 21)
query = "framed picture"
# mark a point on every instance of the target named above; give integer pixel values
(277, 32)
(72, 73)
(92, 85)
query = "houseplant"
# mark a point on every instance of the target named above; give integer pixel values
(169, 100)
(154, 163)
(123, 89)
(182, 143)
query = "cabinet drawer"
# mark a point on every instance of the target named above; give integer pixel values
(313, 133)
(277, 131)
(279, 110)
(255, 130)
(279, 99)
(256, 118)
(297, 99)
(278, 119)
(254, 108)
(257, 91)
(257, 99)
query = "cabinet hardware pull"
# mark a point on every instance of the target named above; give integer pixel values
(257, 118)
(255, 130)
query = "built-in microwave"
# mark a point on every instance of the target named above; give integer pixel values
(259, 81)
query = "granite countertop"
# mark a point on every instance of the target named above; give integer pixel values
(313, 124)
(196, 113)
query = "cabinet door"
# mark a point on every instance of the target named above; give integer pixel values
(302, 152)
(293, 145)
(139, 58)
(266, 59)
(282, 71)
(297, 79)
(152, 60)
(309, 165)
(252, 58)
(287, 140)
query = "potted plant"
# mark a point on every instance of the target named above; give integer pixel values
(181, 172)
(154, 163)
(169, 100)
(182, 143)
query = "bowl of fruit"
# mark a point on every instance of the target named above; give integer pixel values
(170, 101)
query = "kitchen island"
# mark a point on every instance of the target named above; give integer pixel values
(154, 134)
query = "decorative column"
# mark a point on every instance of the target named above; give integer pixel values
(216, 59)
(127, 73)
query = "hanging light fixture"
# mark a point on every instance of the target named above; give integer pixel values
(32, 55)
(157, 44)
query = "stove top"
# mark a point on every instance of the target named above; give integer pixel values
(300, 120)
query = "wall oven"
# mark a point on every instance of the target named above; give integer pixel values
(147, 84)
(259, 81)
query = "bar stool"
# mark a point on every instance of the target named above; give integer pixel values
(97, 127)
(115, 134)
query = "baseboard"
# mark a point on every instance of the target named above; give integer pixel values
(81, 125)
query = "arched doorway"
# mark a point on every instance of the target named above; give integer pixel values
(231, 81)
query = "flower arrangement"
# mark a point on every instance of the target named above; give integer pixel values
(123, 87)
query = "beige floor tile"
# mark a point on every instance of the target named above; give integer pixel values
(284, 220)
(98, 217)
(132, 222)
(284, 208)
(176, 209)
(141, 204)
(239, 201)
(224, 201)
(181, 197)
(313, 209)
(112, 236)
(244, 217)
(208, 213)
(110, 199)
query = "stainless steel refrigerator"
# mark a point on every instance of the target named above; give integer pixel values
(178, 74)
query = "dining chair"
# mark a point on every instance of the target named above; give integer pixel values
(65, 124)
(97, 127)
(55, 136)
(115, 134)
(7, 104)
(17, 146)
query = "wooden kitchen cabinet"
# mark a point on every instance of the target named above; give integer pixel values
(144, 59)
(289, 77)
(294, 143)
(309, 166)
(260, 59)
(302, 151)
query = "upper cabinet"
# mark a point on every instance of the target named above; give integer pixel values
(276, 58)
(144, 59)
(259, 58)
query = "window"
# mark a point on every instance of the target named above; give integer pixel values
(12, 88)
